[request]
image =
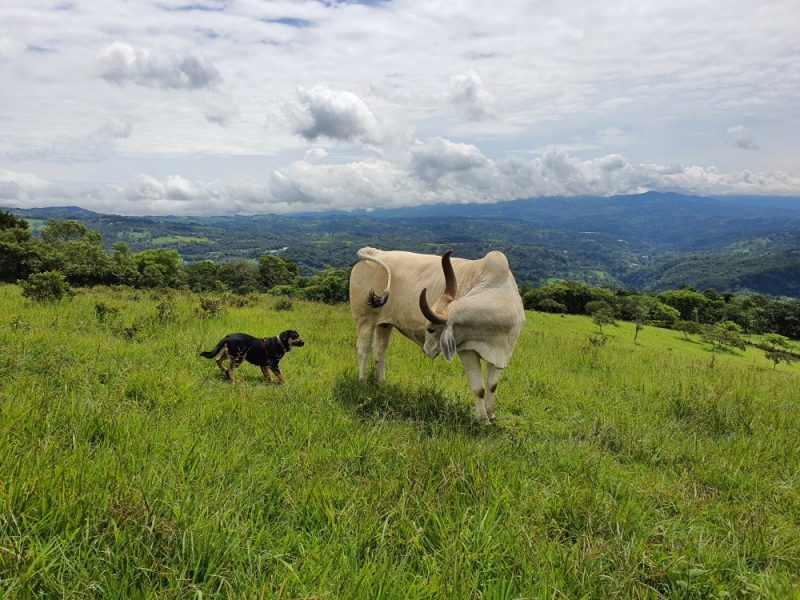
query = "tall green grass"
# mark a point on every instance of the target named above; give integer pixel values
(130, 468)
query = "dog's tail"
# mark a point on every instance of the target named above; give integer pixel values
(215, 351)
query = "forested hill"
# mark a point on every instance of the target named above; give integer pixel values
(646, 241)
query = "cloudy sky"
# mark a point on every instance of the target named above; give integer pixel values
(248, 106)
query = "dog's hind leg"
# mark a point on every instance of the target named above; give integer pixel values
(221, 358)
(235, 362)
(265, 372)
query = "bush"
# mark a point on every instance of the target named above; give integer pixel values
(130, 332)
(283, 304)
(329, 286)
(209, 307)
(103, 311)
(571, 295)
(48, 286)
(239, 300)
(166, 311)
(549, 305)
(284, 290)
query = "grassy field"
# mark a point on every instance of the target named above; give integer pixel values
(130, 468)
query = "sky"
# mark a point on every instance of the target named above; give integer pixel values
(200, 107)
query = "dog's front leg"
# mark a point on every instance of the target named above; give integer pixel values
(265, 372)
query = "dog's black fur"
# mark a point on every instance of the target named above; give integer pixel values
(264, 352)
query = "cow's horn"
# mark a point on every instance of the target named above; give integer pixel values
(426, 310)
(450, 284)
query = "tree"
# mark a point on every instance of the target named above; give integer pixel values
(569, 294)
(48, 286)
(9, 220)
(63, 232)
(550, 306)
(663, 315)
(602, 313)
(276, 270)
(778, 356)
(778, 349)
(690, 304)
(123, 265)
(240, 276)
(203, 276)
(158, 267)
(724, 336)
(20, 252)
(77, 252)
(329, 286)
(688, 328)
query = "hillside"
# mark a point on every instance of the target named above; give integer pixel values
(649, 241)
(129, 468)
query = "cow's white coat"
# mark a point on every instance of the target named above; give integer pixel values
(483, 321)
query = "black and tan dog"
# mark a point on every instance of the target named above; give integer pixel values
(264, 352)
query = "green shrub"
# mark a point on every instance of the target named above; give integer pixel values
(19, 324)
(210, 307)
(284, 290)
(283, 304)
(103, 311)
(549, 305)
(165, 311)
(47, 286)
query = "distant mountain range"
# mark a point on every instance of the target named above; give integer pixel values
(646, 241)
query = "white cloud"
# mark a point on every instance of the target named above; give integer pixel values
(225, 92)
(220, 113)
(9, 48)
(469, 96)
(95, 145)
(439, 157)
(314, 154)
(120, 63)
(741, 137)
(436, 171)
(334, 114)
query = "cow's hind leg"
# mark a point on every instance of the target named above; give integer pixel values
(383, 334)
(472, 367)
(492, 378)
(364, 346)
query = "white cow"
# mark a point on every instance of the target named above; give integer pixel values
(478, 312)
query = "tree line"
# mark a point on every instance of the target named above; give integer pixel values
(719, 318)
(69, 253)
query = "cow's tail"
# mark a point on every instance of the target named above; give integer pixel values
(374, 300)
(215, 351)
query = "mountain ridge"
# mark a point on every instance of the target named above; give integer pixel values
(649, 241)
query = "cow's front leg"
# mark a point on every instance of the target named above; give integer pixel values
(492, 378)
(472, 368)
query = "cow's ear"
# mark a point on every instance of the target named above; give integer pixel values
(447, 342)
